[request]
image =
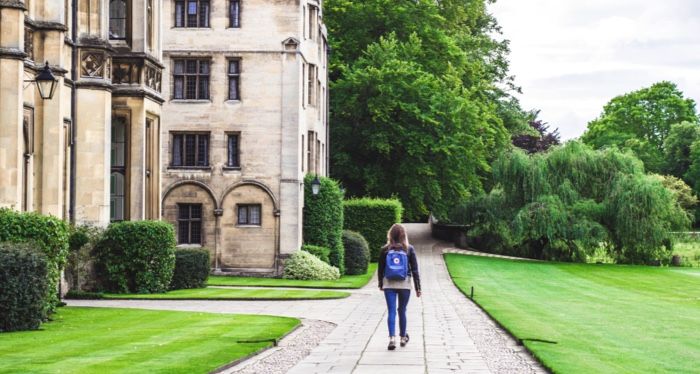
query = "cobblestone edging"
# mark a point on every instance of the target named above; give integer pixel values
(290, 350)
(503, 354)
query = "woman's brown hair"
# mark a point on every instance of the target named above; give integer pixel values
(397, 235)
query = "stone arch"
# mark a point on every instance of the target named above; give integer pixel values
(245, 245)
(258, 184)
(202, 185)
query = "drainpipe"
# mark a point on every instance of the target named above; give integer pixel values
(73, 106)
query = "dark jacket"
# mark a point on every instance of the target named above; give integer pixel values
(412, 266)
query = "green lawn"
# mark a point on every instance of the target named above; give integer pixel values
(101, 340)
(210, 293)
(587, 318)
(346, 281)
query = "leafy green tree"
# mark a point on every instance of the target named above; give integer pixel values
(403, 130)
(640, 121)
(562, 205)
(677, 147)
(420, 102)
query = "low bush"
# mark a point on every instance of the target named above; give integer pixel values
(49, 235)
(80, 269)
(305, 266)
(137, 257)
(318, 251)
(323, 218)
(356, 253)
(83, 295)
(192, 268)
(372, 218)
(24, 276)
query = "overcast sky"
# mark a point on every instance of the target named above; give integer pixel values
(572, 57)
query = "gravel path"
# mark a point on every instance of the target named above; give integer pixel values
(289, 352)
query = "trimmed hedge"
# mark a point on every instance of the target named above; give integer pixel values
(305, 266)
(192, 268)
(372, 218)
(323, 219)
(356, 253)
(24, 276)
(50, 236)
(321, 252)
(137, 257)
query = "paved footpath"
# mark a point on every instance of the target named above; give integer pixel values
(448, 332)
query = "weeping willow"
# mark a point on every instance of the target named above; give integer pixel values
(564, 204)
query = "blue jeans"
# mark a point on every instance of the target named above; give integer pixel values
(390, 295)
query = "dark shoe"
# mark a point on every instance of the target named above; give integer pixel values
(392, 344)
(404, 340)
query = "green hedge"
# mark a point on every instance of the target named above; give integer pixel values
(192, 268)
(137, 257)
(24, 277)
(356, 253)
(50, 235)
(322, 253)
(305, 266)
(372, 218)
(323, 219)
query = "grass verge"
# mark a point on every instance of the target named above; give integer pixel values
(232, 294)
(586, 318)
(105, 340)
(346, 281)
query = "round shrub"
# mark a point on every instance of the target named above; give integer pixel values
(137, 257)
(24, 276)
(372, 218)
(321, 252)
(323, 218)
(191, 268)
(356, 253)
(305, 266)
(48, 234)
(80, 268)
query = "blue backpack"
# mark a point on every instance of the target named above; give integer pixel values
(396, 265)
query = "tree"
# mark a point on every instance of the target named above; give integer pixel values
(541, 141)
(408, 132)
(563, 204)
(640, 121)
(677, 147)
(420, 103)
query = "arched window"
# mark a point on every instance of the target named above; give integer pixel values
(118, 15)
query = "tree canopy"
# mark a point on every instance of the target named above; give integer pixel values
(563, 204)
(420, 103)
(640, 121)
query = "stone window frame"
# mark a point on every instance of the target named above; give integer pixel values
(248, 222)
(229, 137)
(234, 14)
(197, 144)
(190, 221)
(198, 76)
(126, 19)
(202, 19)
(121, 169)
(234, 77)
(311, 78)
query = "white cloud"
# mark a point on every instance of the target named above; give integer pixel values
(571, 57)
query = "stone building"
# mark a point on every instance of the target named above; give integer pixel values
(90, 153)
(244, 119)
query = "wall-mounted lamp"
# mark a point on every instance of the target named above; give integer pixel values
(315, 186)
(46, 82)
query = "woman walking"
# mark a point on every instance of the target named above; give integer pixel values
(397, 266)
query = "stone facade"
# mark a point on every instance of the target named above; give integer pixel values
(245, 118)
(57, 155)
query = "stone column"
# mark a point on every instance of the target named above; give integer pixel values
(11, 104)
(291, 181)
